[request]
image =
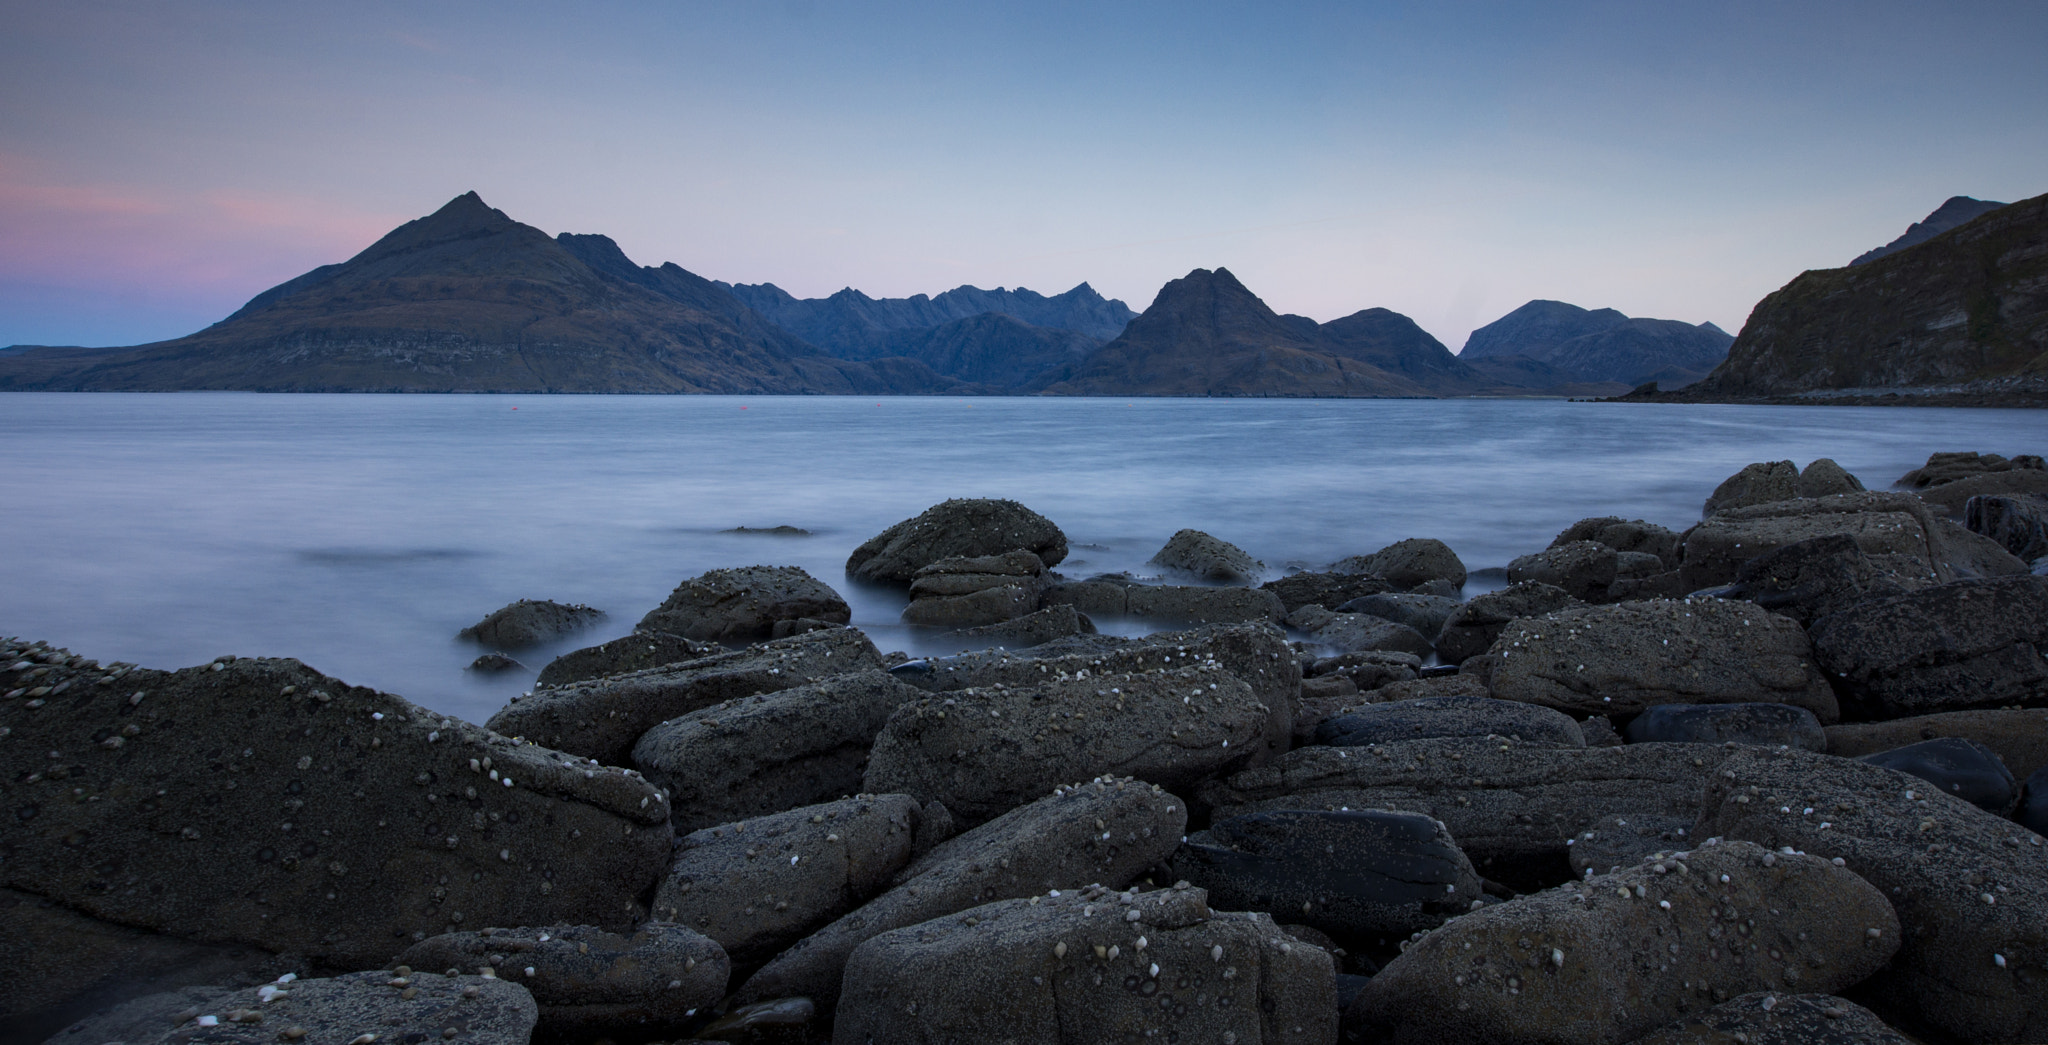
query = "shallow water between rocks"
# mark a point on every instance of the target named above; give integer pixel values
(358, 533)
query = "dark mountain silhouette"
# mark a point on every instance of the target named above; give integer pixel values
(852, 325)
(1954, 212)
(993, 350)
(1969, 303)
(466, 299)
(1600, 345)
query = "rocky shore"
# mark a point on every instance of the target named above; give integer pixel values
(1777, 776)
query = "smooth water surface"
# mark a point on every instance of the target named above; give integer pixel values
(360, 532)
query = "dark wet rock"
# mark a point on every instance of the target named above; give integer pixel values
(1003, 967)
(1944, 467)
(1256, 654)
(1473, 627)
(751, 756)
(1442, 588)
(1358, 632)
(1106, 831)
(1356, 873)
(743, 605)
(1599, 731)
(146, 1017)
(2032, 813)
(1032, 629)
(1499, 798)
(759, 885)
(1963, 768)
(2018, 524)
(1366, 669)
(771, 531)
(1612, 957)
(1624, 839)
(987, 750)
(1582, 569)
(1809, 579)
(1094, 598)
(63, 965)
(784, 1021)
(1975, 643)
(1825, 478)
(1407, 564)
(785, 628)
(1624, 535)
(1624, 658)
(1328, 590)
(602, 718)
(484, 1010)
(1954, 498)
(1759, 483)
(530, 622)
(1937, 859)
(400, 819)
(1426, 687)
(1450, 716)
(960, 527)
(1197, 605)
(1907, 541)
(2020, 737)
(494, 664)
(1208, 558)
(1010, 600)
(636, 652)
(589, 982)
(1778, 1018)
(1769, 724)
(1425, 613)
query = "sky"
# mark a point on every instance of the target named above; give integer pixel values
(161, 163)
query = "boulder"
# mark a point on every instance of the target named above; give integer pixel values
(1107, 831)
(494, 664)
(1208, 558)
(1759, 483)
(751, 756)
(2019, 737)
(1807, 580)
(1328, 590)
(1624, 840)
(416, 1007)
(1364, 872)
(1624, 658)
(1367, 670)
(1041, 972)
(742, 605)
(1256, 654)
(1358, 632)
(530, 622)
(2018, 524)
(986, 750)
(1909, 543)
(1953, 498)
(1409, 564)
(960, 527)
(1610, 958)
(1033, 629)
(1428, 687)
(1599, 731)
(1425, 613)
(1582, 569)
(1768, 724)
(1449, 716)
(1009, 598)
(1970, 889)
(602, 718)
(1974, 643)
(1825, 478)
(1501, 799)
(1778, 1018)
(261, 802)
(757, 886)
(1944, 467)
(1963, 768)
(588, 982)
(1624, 535)
(636, 652)
(1472, 627)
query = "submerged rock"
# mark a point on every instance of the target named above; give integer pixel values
(743, 605)
(530, 622)
(1208, 558)
(961, 527)
(1328, 590)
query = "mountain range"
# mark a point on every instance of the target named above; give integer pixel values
(1954, 212)
(467, 299)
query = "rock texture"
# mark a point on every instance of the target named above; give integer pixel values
(260, 802)
(960, 527)
(742, 605)
(1040, 971)
(636, 652)
(1208, 558)
(1474, 626)
(419, 1007)
(588, 982)
(530, 622)
(2019, 737)
(1775, 1018)
(1409, 563)
(1946, 648)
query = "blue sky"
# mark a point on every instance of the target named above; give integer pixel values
(161, 163)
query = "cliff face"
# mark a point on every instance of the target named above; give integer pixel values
(466, 299)
(1970, 303)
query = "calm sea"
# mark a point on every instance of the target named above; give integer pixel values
(359, 532)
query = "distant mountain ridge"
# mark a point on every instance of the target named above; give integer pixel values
(1954, 212)
(1601, 344)
(852, 325)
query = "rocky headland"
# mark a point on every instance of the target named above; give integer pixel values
(1777, 775)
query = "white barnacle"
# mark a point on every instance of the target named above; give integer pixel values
(1557, 957)
(1059, 950)
(1216, 953)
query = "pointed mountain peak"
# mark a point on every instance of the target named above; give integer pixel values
(467, 211)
